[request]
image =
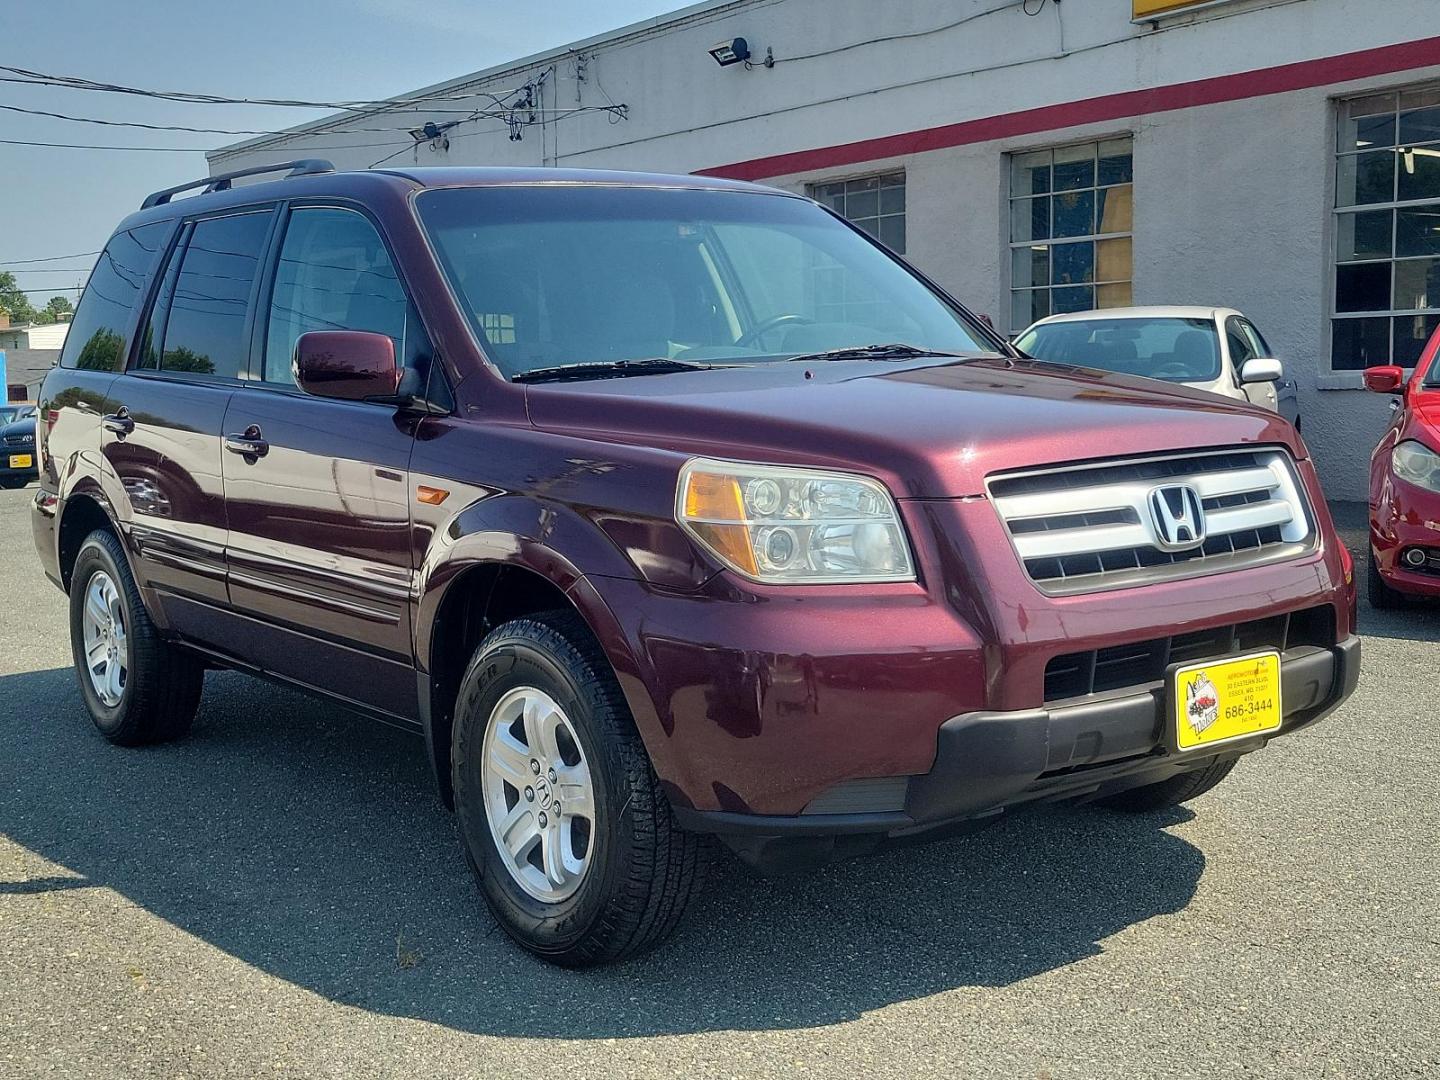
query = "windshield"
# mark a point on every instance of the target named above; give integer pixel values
(586, 274)
(1177, 350)
(10, 413)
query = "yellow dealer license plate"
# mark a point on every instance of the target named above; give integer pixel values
(19, 461)
(1224, 700)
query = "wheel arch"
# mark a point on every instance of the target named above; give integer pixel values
(85, 510)
(478, 594)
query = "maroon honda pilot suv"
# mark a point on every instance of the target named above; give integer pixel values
(661, 509)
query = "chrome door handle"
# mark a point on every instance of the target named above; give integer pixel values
(119, 422)
(250, 443)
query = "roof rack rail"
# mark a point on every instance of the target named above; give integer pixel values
(301, 167)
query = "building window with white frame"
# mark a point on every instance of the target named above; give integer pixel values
(874, 203)
(1071, 221)
(1386, 301)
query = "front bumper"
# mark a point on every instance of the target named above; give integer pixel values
(987, 762)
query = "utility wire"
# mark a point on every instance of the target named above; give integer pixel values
(181, 149)
(72, 82)
(53, 258)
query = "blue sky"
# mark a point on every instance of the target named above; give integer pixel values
(59, 201)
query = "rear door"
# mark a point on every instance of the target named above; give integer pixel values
(317, 490)
(164, 415)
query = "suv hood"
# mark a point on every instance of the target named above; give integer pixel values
(928, 428)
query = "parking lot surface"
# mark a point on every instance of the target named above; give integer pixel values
(281, 894)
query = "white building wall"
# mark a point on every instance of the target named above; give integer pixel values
(47, 337)
(1232, 200)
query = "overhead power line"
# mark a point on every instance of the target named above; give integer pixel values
(52, 258)
(74, 82)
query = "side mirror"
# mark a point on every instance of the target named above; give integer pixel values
(1261, 369)
(1385, 379)
(353, 365)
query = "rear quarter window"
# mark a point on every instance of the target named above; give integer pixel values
(97, 337)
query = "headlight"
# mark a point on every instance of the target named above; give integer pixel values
(1418, 464)
(794, 526)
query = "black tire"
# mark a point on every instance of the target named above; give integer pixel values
(1178, 789)
(163, 683)
(645, 870)
(1381, 596)
(10, 483)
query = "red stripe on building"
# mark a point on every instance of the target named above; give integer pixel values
(1246, 84)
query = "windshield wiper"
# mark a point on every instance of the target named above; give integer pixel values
(896, 350)
(610, 369)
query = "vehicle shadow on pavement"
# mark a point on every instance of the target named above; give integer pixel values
(307, 842)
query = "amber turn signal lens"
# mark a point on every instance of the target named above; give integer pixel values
(431, 496)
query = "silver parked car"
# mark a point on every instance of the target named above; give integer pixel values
(1215, 349)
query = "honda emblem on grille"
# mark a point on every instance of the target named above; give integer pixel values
(1178, 516)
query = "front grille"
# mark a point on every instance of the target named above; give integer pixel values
(19, 440)
(1135, 664)
(1091, 527)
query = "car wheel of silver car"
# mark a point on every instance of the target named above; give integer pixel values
(137, 687)
(560, 814)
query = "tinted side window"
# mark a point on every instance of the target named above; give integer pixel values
(1240, 347)
(205, 332)
(97, 337)
(334, 274)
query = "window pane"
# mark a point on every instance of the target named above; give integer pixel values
(1412, 333)
(206, 330)
(1366, 178)
(892, 199)
(892, 232)
(1027, 306)
(1073, 264)
(1359, 343)
(1419, 173)
(1363, 287)
(1075, 167)
(1114, 259)
(1030, 219)
(1074, 213)
(1417, 284)
(832, 195)
(1114, 209)
(96, 340)
(1417, 231)
(1116, 294)
(1365, 235)
(335, 274)
(1367, 122)
(154, 335)
(1238, 342)
(1029, 266)
(1030, 173)
(1073, 299)
(1117, 162)
(862, 203)
(1420, 126)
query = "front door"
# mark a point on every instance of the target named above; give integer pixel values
(317, 490)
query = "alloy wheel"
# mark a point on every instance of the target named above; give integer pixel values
(107, 657)
(539, 794)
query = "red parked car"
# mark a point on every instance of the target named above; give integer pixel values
(1405, 484)
(662, 509)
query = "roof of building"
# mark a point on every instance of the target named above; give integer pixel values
(609, 37)
(29, 366)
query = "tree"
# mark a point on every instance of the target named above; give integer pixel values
(57, 306)
(13, 300)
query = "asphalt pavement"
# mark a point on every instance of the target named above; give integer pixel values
(282, 895)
